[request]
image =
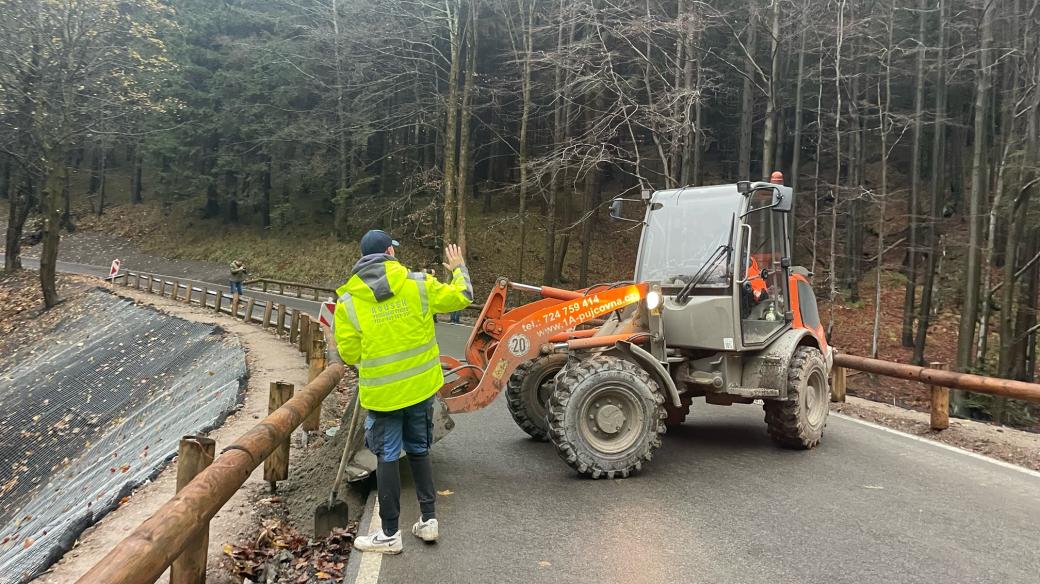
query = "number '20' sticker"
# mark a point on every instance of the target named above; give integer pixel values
(519, 345)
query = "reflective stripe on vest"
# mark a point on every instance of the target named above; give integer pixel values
(398, 356)
(400, 375)
(420, 282)
(348, 304)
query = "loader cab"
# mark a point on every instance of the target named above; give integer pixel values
(720, 258)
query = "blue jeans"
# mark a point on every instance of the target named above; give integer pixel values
(234, 287)
(410, 429)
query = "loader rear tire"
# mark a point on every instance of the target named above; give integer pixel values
(528, 392)
(798, 422)
(606, 417)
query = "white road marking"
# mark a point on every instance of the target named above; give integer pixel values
(371, 562)
(942, 445)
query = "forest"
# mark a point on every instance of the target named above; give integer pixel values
(907, 128)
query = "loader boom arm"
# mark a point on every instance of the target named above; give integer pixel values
(502, 340)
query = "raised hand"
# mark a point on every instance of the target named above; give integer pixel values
(453, 257)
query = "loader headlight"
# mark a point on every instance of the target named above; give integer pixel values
(653, 300)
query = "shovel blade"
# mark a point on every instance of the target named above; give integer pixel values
(328, 517)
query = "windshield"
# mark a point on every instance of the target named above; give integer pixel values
(685, 232)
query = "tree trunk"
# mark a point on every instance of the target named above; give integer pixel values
(979, 183)
(51, 208)
(910, 298)
(135, 175)
(883, 103)
(451, 127)
(102, 181)
(265, 192)
(559, 135)
(5, 176)
(464, 127)
(341, 202)
(769, 138)
(525, 117)
(833, 275)
(796, 153)
(816, 164)
(937, 185)
(21, 201)
(747, 103)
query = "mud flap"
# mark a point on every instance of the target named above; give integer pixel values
(362, 463)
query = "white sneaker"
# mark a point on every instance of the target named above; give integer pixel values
(425, 530)
(379, 543)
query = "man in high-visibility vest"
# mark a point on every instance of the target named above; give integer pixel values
(384, 325)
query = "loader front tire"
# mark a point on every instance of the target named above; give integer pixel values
(606, 417)
(798, 422)
(528, 392)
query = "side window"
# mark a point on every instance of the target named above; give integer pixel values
(763, 302)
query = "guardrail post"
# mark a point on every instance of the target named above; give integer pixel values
(234, 305)
(267, 314)
(839, 381)
(175, 294)
(248, 316)
(151, 280)
(276, 467)
(188, 293)
(194, 455)
(137, 281)
(294, 325)
(940, 402)
(312, 423)
(315, 294)
(264, 284)
(299, 291)
(126, 279)
(305, 334)
(279, 322)
(218, 300)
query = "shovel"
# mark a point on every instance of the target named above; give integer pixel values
(333, 513)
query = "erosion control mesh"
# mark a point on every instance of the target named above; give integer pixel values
(96, 411)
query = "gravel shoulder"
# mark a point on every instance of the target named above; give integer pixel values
(1003, 443)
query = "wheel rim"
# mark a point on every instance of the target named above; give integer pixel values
(611, 419)
(816, 398)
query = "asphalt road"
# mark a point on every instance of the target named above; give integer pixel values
(720, 504)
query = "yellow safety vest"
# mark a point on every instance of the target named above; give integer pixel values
(384, 325)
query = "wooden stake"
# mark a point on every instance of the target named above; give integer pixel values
(151, 280)
(194, 455)
(234, 306)
(176, 290)
(267, 314)
(188, 294)
(312, 423)
(218, 300)
(276, 467)
(839, 380)
(248, 316)
(305, 334)
(137, 281)
(279, 322)
(294, 326)
(940, 402)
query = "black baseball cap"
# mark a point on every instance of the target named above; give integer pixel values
(376, 241)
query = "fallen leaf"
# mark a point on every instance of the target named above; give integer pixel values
(25, 544)
(446, 492)
(323, 576)
(544, 564)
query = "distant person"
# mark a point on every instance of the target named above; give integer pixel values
(384, 325)
(238, 276)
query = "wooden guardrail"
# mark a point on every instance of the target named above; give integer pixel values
(939, 380)
(177, 535)
(285, 288)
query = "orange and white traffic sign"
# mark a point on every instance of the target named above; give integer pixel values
(115, 268)
(325, 315)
